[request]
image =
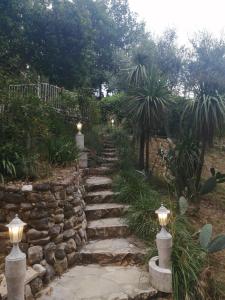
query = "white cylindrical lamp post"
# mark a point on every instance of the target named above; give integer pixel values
(15, 262)
(164, 238)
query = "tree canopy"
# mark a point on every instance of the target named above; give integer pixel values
(72, 43)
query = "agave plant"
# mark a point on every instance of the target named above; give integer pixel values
(207, 243)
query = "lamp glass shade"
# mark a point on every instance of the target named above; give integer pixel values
(163, 214)
(79, 126)
(112, 121)
(16, 230)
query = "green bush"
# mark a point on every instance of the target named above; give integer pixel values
(125, 148)
(113, 106)
(131, 185)
(62, 150)
(141, 215)
(32, 136)
(135, 190)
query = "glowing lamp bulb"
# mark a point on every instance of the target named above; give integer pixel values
(112, 121)
(16, 230)
(163, 214)
(79, 127)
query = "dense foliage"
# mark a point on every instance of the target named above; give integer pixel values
(33, 135)
(72, 43)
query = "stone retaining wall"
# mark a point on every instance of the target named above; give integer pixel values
(56, 223)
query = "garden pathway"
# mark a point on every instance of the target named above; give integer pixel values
(110, 266)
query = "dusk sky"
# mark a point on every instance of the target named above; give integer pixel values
(186, 16)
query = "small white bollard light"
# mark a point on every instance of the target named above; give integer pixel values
(15, 262)
(164, 238)
(80, 137)
(79, 127)
(112, 122)
(160, 266)
(83, 160)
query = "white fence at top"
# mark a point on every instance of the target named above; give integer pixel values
(50, 94)
(46, 92)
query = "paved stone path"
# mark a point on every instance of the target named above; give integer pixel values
(110, 266)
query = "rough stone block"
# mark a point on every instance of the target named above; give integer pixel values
(54, 230)
(35, 254)
(33, 234)
(49, 252)
(70, 246)
(60, 251)
(36, 285)
(68, 234)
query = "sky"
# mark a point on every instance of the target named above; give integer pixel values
(186, 16)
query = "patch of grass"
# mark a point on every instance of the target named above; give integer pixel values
(141, 216)
(187, 261)
(131, 185)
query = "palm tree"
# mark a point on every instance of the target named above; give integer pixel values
(147, 109)
(206, 115)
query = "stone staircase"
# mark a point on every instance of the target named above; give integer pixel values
(111, 265)
(109, 238)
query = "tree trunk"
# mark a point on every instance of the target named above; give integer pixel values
(147, 154)
(141, 150)
(200, 166)
(100, 91)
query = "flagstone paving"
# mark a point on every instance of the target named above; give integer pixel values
(94, 282)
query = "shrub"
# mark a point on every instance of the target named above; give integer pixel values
(62, 150)
(125, 148)
(131, 185)
(141, 215)
(135, 190)
(113, 106)
(32, 136)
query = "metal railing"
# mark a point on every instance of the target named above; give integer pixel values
(49, 94)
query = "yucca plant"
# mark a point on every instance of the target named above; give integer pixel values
(182, 161)
(146, 108)
(206, 115)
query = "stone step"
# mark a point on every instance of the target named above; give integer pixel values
(109, 143)
(107, 228)
(105, 196)
(110, 165)
(112, 251)
(94, 282)
(110, 159)
(105, 210)
(109, 154)
(109, 148)
(94, 183)
(100, 171)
